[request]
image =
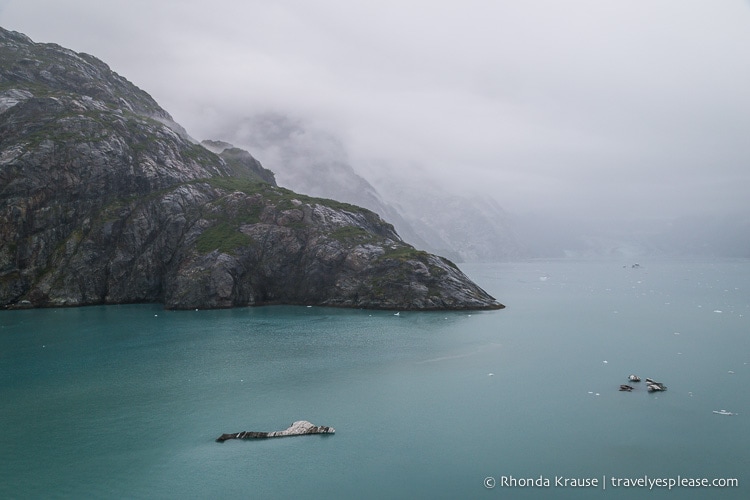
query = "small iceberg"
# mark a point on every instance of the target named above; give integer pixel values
(657, 387)
(298, 428)
(724, 412)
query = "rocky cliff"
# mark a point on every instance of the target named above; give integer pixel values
(316, 162)
(104, 199)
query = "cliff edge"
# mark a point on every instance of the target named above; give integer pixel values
(104, 199)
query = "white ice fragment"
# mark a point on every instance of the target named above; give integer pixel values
(605, 361)
(724, 412)
(718, 311)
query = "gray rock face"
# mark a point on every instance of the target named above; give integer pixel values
(298, 428)
(104, 200)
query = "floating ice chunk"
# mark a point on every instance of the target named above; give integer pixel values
(596, 394)
(676, 333)
(731, 372)
(490, 374)
(718, 311)
(724, 412)
(605, 361)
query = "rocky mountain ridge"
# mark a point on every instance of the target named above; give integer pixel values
(104, 199)
(316, 162)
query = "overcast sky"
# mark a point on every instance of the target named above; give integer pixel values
(610, 107)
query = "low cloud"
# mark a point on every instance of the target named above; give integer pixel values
(624, 108)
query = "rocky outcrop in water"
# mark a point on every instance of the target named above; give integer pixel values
(298, 428)
(105, 200)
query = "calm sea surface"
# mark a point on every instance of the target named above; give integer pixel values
(126, 401)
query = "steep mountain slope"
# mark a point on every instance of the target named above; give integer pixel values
(475, 229)
(104, 199)
(314, 162)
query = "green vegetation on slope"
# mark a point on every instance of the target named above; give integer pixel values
(224, 237)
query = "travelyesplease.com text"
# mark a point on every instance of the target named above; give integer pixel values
(604, 482)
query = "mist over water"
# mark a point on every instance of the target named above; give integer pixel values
(487, 131)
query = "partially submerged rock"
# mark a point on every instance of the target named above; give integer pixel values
(298, 428)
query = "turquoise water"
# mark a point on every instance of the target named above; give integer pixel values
(126, 401)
